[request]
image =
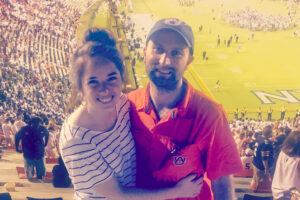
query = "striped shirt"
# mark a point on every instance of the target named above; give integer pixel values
(93, 157)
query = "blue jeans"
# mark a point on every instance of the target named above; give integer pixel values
(38, 164)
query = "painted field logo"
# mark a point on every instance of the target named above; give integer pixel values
(178, 160)
(285, 95)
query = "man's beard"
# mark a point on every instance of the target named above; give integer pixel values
(162, 83)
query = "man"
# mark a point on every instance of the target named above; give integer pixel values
(259, 114)
(297, 113)
(270, 111)
(263, 158)
(34, 138)
(218, 85)
(236, 113)
(243, 113)
(283, 110)
(177, 129)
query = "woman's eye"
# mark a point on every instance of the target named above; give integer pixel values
(111, 79)
(93, 83)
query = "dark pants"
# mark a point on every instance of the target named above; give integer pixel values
(37, 164)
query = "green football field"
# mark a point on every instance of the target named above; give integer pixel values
(261, 69)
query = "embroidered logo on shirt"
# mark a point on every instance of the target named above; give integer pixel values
(178, 160)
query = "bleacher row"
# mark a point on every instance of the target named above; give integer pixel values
(37, 40)
(42, 49)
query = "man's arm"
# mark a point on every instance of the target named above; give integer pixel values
(223, 188)
(46, 135)
(17, 140)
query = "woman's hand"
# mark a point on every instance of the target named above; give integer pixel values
(188, 187)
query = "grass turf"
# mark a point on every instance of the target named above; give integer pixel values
(269, 62)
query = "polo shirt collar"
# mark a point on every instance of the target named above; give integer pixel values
(182, 107)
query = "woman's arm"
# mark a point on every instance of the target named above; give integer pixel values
(189, 186)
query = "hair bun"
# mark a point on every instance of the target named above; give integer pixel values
(99, 35)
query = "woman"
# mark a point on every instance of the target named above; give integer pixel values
(287, 171)
(96, 143)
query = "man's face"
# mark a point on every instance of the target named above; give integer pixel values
(166, 57)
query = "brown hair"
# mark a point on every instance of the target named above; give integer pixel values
(291, 145)
(267, 131)
(97, 42)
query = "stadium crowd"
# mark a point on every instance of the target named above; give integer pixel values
(254, 20)
(37, 39)
(186, 2)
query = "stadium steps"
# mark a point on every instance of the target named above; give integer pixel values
(8, 173)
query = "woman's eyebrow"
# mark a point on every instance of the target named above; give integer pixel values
(112, 74)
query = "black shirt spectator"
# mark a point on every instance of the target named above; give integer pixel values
(33, 138)
(60, 175)
(263, 151)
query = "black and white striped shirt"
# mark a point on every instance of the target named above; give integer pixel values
(92, 157)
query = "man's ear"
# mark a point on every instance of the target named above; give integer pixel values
(190, 60)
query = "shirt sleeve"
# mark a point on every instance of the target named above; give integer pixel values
(222, 154)
(85, 164)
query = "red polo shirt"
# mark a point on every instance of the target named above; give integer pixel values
(194, 137)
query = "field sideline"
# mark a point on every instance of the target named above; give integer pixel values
(268, 62)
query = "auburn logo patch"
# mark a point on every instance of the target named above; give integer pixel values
(179, 160)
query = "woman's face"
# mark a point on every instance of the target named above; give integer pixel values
(101, 84)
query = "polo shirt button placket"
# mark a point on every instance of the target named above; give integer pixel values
(173, 114)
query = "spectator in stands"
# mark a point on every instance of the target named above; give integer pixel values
(18, 124)
(61, 177)
(50, 149)
(278, 141)
(247, 159)
(245, 144)
(263, 157)
(239, 140)
(34, 138)
(171, 119)
(287, 172)
(7, 131)
(96, 143)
